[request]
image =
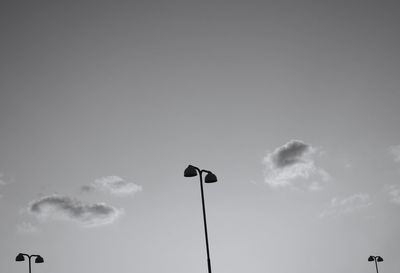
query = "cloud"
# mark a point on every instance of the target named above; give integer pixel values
(26, 227)
(394, 193)
(293, 161)
(116, 185)
(289, 154)
(347, 205)
(395, 151)
(315, 186)
(58, 207)
(87, 188)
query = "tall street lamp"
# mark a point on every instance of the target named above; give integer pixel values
(21, 257)
(192, 171)
(376, 259)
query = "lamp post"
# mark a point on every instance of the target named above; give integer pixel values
(192, 171)
(21, 257)
(376, 259)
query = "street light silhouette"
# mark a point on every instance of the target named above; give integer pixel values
(20, 258)
(376, 259)
(192, 171)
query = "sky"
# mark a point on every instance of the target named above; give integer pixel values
(294, 105)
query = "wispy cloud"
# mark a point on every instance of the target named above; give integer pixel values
(347, 205)
(394, 193)
(395, 151)
(87, 188)
(293, 161)
(58, 207)
(26, 227)
(114, 185)
(315, 186)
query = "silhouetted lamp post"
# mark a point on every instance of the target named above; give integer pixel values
(191, 171)
(21, 257)
(376, 259)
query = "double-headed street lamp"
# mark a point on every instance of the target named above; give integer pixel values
(21, 257)
(191, 171)
(376, 259)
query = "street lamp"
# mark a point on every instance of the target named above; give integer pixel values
(20, 258)
(192, 171)
(376, 259)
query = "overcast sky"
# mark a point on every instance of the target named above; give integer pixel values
(294, 105)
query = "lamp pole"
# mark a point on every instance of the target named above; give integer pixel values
(191, 171)
(21, 257)
(375, 259)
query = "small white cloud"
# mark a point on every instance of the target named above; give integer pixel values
(116, 185)
(291, 162)
(347, 205)
(58, 207)
(395, 151)
(394, 193)
(26, 227)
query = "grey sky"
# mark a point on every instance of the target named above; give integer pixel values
(133, 91)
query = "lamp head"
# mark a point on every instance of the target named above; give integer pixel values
(380, 259)
(190, 171)
(371, 259)
(39, 259)
(210, 178)
(20, 258)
